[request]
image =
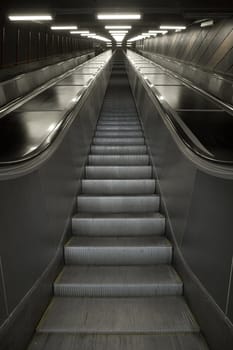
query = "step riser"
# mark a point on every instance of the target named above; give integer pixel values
(119, 123)
(118, 256)
(120, 116)
(119, 141)
(117, 205)
(118, 119)
(117, 128)
(106, 134)
(118, 172)
(112, 150)
(119, 187)
(118, 227)
(119, 160)
(123, 290)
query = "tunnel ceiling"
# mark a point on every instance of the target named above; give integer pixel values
(154, 12)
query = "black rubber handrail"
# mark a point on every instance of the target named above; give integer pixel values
(182, 134)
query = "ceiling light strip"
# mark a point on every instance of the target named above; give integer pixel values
(30, 18)
(118, 16)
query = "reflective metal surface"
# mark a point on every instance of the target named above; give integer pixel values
(86, 70)
(22, 132)
(152, 70)
(36, 122)
(180, 97)
(162, 79)
(56, 98)
(76, 79)
(213, 129)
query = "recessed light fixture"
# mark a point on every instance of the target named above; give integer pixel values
(80, 32)
(138, 37)
(118, 31)
(64, 27)
(30, 18)
(172, 27)
(207, 23)
(102, 38)
(96, 37)
(118, 27)
(118, 16)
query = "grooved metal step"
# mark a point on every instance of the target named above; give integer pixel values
(121, 133)
(67, 341)
(118, 172)
(118, 141)
(118, 115)
(118, 224)
(118, 119)
(117, 204)
(103, 149)
(128, 159)
(118, 123)
(159, 315)
(118, 187)
(119, 128)
(118, 281)
(118, 251)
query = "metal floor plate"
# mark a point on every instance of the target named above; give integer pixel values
(117, 342)
(118, 315)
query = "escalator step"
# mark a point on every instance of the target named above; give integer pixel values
(118, 172)
(118, 281)
(159, 315)
(118, 128)
(119, 141)
(118, 250)
(138, 159)
(118, 224)
(121, 133)
(123, 149)
(66, 341)
(118, 187)
(117, 204)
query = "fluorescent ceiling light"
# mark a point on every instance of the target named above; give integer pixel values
(118, 16)
(80, 32)
(139, 37)
(102, 38)
(207, 23)
(64, 27)
(88, 34)
(96, 37)
(118, 31)
(172, 27)
(118, 27)
(30, 18)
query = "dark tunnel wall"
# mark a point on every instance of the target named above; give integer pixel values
(30, 43)
(209, 48)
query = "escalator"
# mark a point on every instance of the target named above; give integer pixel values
(118, 289)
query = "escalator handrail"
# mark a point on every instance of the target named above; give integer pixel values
(13, 168)
(222, 168)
